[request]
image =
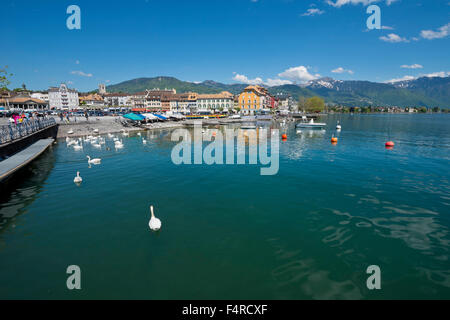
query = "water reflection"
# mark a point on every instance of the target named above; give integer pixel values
(23, 188)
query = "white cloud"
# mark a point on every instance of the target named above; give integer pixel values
(277, 82)
(81, 73)
(441, 74)
(340, 3)
(259, 81)
(77, 61)
(442, 32)
(313, 12)
(393, 38)
(241, 78)
(299, 73)
(342, 70)
(413, 66)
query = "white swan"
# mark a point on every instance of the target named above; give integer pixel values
(154, 223)
(94, 161)
(139, 134)
(144, 141)
(338, 127)
(77, 147)
(96, 145)
(78, 179)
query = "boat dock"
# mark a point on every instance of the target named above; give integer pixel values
(22, 158)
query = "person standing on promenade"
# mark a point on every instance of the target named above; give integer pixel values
(86, 115)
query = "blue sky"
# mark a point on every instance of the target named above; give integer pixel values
(250, 41)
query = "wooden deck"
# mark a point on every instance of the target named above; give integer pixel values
(22, 158)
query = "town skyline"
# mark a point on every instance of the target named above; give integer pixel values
(261, 42)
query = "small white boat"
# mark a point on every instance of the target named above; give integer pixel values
(248, 127)
(311, 124)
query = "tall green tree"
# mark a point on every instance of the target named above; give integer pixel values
(4, 78)
(301, 105)
(315, 104)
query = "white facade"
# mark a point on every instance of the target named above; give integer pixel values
(117, 100)
(41, 96)
(215, 102)
(63, 98)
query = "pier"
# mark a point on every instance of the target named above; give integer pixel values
(22, 143)
(22, 158)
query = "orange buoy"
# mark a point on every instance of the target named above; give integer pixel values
(389, 144)
(284, 136)
(334, 140)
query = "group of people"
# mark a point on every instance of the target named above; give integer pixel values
(18, 118)
(65, 117)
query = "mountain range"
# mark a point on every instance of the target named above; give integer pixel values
(425, 91)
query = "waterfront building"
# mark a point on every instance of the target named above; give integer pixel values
(92, 100)
(221, 102)
(63, 98)
(117, 99)
(285, 101)
(22, 102)
(255, 98)
(41, 96)
(183, 102)
(138, 100)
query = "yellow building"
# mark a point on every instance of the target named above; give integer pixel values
(252, 99)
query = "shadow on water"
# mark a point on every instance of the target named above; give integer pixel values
(22, 188)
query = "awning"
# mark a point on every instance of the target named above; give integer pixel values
(150, 116)
(160, 116)
(134, 117)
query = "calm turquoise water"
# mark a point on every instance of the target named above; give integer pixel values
(308, 232)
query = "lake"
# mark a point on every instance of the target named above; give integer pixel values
(228, 232)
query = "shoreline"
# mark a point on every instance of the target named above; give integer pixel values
(106, 125)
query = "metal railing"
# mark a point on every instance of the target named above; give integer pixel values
(9, 133)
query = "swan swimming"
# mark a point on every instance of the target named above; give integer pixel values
(154, 223)
(94, 161)
(78, 179)
(144, 141)
(77, 147)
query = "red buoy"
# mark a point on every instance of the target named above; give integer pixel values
(389, 144)
(284, 136)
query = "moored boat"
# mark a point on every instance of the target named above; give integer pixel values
(310, 124)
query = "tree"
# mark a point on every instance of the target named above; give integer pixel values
(315, 104)
(301, 105)
(4, 75)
